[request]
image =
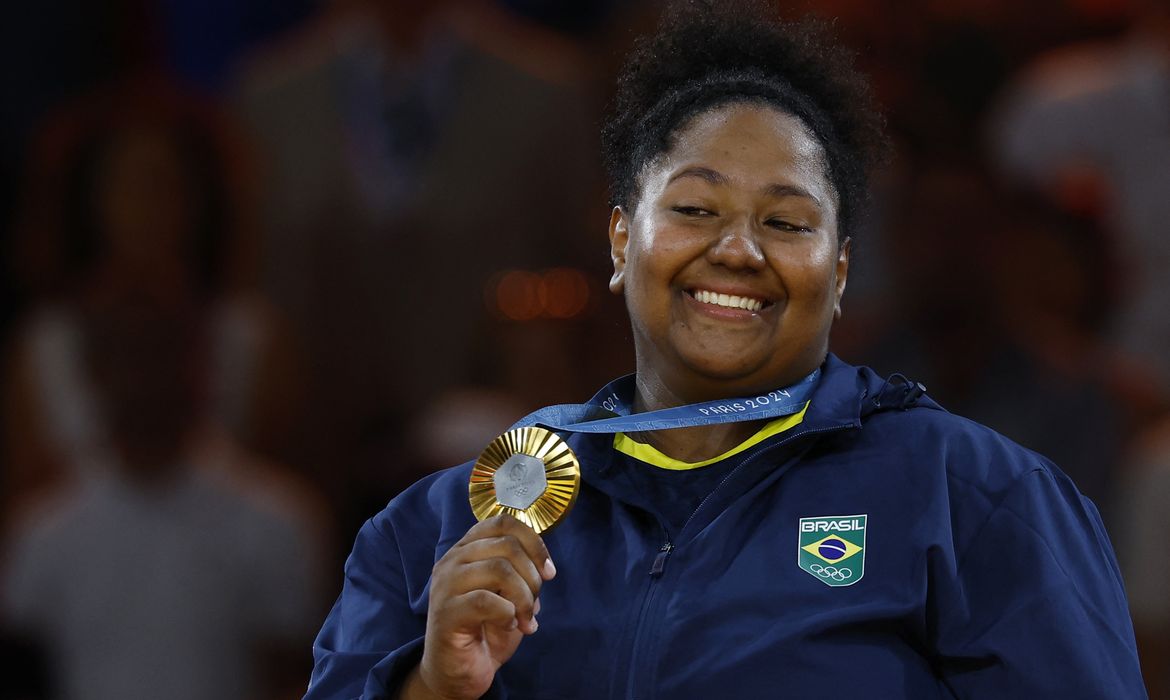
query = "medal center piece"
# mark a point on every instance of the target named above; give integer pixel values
(520, 481)
(528, 473)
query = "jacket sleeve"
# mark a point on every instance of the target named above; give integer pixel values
(372, 638)
(1036, 606)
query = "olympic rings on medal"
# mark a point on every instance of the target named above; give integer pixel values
(831, 572)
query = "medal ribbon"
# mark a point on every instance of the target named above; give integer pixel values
(617, 398)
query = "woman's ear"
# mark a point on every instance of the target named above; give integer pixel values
(842, 273)
(619, 238)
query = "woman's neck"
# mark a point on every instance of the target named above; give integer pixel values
(686, 444)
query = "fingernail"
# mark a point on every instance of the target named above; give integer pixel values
(536, 607)
(550, 569)
(535, 624)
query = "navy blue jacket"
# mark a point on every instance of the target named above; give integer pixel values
(986, 574)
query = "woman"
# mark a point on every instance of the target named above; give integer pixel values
(139, 533)
(135, 201)
(860, 543)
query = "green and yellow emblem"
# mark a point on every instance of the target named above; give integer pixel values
(831, 548)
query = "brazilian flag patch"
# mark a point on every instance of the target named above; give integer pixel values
(831, 548)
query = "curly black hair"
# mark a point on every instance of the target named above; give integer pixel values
(709, 53)
(85, 242)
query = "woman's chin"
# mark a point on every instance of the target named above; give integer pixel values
(730, 374)
(725, 370)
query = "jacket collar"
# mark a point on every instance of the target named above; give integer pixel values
(843, 397)
(838, 399)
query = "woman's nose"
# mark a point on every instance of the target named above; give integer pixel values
(737, 247)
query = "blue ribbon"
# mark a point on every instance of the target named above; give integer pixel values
(611, 410)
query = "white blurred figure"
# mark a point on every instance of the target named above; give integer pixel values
(133, 200)
(1104, 108)
(153, 556)
(1102, 111)
(174, 566)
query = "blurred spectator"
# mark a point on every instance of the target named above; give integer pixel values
(938, 327)
(1048, 385)
(1090, 122)
(1101, 112)
(1000, 300)
(412, 150)
(177, 567)
(51, 51)
(131, 201)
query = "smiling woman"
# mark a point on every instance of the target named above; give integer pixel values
(741, 207)
(799, 525)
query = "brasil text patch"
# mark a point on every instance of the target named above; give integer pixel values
(831, 548)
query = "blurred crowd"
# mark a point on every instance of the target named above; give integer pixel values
(270, 261)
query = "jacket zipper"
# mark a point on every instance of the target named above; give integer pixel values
(659, 564)
(656, 569)
(640, 670)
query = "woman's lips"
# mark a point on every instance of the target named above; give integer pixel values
(728, 301)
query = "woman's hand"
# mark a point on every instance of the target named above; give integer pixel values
(483, 600)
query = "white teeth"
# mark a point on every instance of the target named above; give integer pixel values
(729, 301)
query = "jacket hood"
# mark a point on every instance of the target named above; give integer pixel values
(844, 397)
(848, 394)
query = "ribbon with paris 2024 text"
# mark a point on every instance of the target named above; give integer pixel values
(617, 398)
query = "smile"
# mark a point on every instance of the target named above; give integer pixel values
(729, 301)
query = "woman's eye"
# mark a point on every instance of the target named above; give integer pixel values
(693, 211)
(782, 225)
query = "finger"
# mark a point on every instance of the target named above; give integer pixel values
(499, 576)
(479, 607)
(529, 540)
(505, 547)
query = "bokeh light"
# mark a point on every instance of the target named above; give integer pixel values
(523, 295)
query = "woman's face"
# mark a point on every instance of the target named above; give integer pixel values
(730, 263)
(143, 198)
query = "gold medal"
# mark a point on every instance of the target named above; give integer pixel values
(528, 473)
